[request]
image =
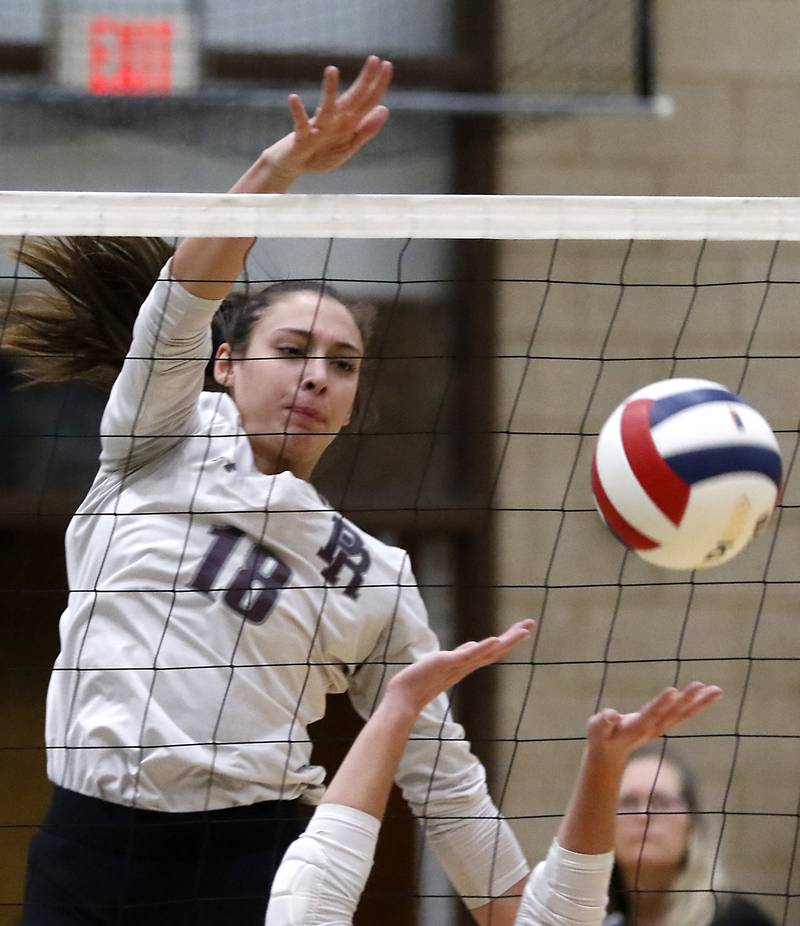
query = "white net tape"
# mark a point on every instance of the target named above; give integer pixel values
(673, 218)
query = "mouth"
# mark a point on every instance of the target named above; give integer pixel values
(305, 413)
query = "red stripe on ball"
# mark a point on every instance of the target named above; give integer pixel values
(668, 492)
(626, 532)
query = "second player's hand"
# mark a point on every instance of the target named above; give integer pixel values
(341, 125)
(619, 734)
(589, 824)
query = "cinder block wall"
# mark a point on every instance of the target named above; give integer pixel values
(733, 70)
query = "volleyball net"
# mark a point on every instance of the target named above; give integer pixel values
(508, 330)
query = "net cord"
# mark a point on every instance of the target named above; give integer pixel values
(389, 216)
(410, 101)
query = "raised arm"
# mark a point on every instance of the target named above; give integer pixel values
(153, 400)
(572, 885)
(365, 776)
(589, 823)
(341, 125)
(324, 872)
(441, 779)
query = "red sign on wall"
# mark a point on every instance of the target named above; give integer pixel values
(130, 56)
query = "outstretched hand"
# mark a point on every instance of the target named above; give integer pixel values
(423, 680)
(620, 734)
(589, 824)
(341, 125)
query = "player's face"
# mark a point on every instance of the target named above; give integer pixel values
(297, 381)
(652, 841)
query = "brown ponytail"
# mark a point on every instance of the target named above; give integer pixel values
(83, 329)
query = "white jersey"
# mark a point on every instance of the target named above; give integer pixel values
(324, 872)
(212, 608)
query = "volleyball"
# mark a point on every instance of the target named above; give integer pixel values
(686, 473)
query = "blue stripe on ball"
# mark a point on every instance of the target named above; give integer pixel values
(670, 405)
(697, 465)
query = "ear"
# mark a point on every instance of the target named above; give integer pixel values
(224, 366)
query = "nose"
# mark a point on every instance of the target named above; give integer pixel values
(315, 375)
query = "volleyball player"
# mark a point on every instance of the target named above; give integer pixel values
(215, 598)
(324, 871)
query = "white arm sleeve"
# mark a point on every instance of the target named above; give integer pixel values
(567, 889)
(322, 875)
(475, 846)
(152, 402)
(442, 781)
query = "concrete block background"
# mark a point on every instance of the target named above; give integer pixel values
(732, 69)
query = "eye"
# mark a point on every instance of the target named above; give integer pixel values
(345, 364)
(652, 803)
(291, 350)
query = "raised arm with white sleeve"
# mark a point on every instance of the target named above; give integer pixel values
(342, 124)
(325, 870)
(147, 412)
(571, 885)
(441, 779)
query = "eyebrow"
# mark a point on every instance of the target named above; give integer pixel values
(305, 333)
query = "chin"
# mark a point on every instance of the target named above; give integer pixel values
(304, 450)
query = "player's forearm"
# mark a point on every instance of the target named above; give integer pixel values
(503, 910)
(589, 823)
(477, 850)
(566, 889)
(208, 267)
(587, 828)
(365, 777)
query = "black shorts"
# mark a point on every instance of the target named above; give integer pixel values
(93, 862)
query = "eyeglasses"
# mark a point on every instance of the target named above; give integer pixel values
(655, 803)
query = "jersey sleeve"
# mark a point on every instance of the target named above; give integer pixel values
(442, 781)
(324, 871)
(567, 889)
(152, 403)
